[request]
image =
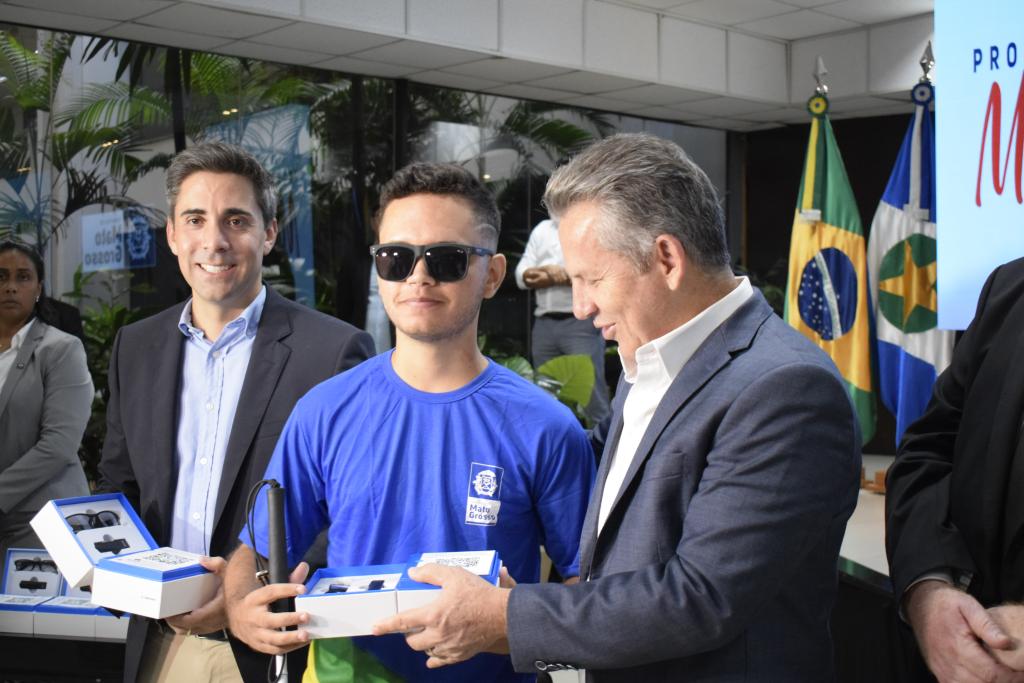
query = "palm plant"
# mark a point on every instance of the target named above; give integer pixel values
(36, 149)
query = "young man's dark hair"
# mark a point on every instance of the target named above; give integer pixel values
(445, 179)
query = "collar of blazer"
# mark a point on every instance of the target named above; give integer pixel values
(28, 347)
(734, 336)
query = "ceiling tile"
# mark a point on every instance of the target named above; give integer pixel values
(660, 113)
(655, 4)
(319, 38)
(586, 83)
(876, 11)
(603, 103)
(853, 104)
(364, 67)
(458, 81)
(162, 36)
(421, 55)
(530, 92)
(787, 115)
(730, 12)
(809, 3)
(888, 110)
(57, 20)
(799, 24)
(211, 21)
(656, 94)
(506, 70)
(722, 106)
(272, 53)
(98, 9)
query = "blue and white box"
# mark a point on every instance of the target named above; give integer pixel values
(66, 616)
(79, 532)
(16, 612)
(30, 571)
(347, 601)
(484, 563)
(154, 583)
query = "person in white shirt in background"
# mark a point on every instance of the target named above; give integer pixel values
(556, 332)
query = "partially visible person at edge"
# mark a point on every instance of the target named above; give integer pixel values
(46, 397)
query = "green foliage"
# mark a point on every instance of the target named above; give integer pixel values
(575, 377)
(101, 320)
(570, 379)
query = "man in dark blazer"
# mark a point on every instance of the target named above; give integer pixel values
(955, 500)
(199, 394)
(729, 468)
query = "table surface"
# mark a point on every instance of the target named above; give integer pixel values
(862, 554)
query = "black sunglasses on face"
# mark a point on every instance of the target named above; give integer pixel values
(446, 261)
(92, 520)
(26, 564)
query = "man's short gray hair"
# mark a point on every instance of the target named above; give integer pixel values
(646, 186)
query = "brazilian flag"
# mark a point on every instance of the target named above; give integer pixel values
(827, 295)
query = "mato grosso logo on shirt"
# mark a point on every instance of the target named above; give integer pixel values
(483, 495)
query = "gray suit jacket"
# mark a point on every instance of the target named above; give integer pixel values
(44, 407)
(295, 349)
(718, 559)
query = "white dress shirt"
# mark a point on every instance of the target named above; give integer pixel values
(658, 363)
(544, 249)
(7, 357)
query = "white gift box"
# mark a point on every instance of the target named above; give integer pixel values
(16, 612)
(30, 571)
(66, 616)
(154, 583)
(347, 601)
(484, 563)
(79, 532)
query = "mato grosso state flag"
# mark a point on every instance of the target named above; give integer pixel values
(911, 350)
(827, 290)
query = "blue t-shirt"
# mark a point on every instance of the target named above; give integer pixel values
(498, 464)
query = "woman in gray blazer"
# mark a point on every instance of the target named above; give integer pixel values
(45, 398)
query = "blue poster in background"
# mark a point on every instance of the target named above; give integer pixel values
(139, 240)
(979, 58)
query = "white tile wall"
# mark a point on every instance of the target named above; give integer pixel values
(543, 30)
(894, 51)
(387, 16)
(845, 56)
(620, 40)
(692, 55)
(757, 67)
(469, 23)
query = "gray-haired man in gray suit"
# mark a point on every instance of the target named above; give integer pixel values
(730, 464)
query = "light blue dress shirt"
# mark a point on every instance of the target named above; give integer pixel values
(211, 383)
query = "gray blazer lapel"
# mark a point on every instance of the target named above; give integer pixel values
(734, 334)
(268, 360)
(32, 340)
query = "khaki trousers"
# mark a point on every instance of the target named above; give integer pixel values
(171, 658)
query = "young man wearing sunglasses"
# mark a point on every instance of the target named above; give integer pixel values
(432, 447)
(199, 393)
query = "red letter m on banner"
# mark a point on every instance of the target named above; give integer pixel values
(994, 112)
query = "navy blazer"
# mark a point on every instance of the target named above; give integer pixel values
(718, 560)
(295, 349)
